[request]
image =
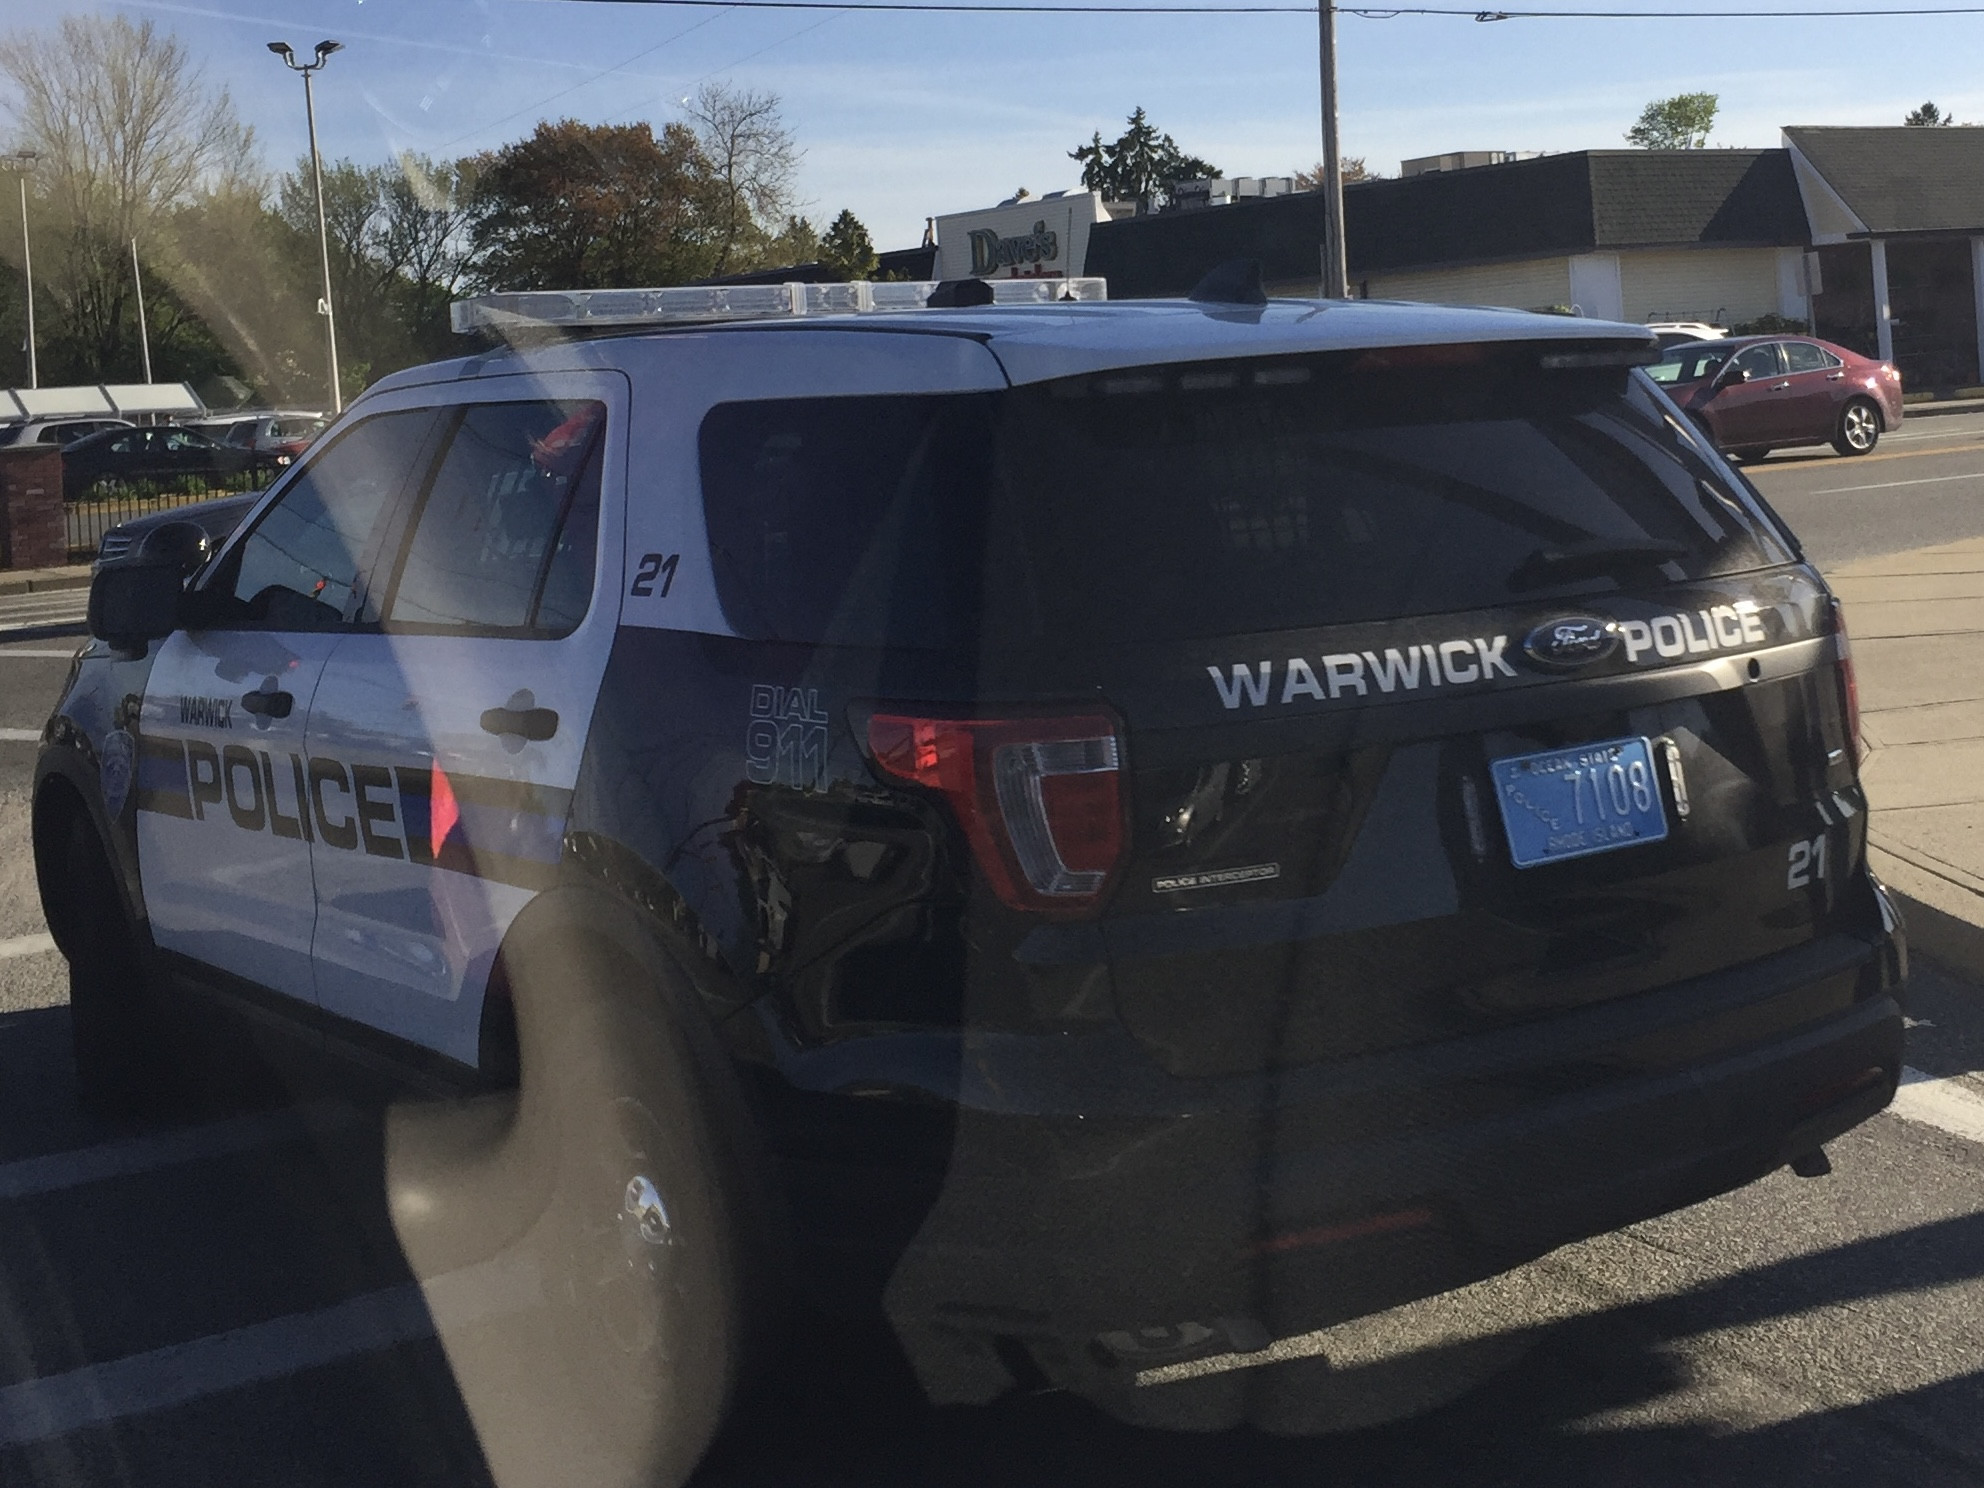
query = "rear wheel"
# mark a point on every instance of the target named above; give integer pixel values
(1859, 428)
(599, 1205)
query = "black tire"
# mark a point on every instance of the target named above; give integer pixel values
(610, 1180)
(112, 1023)
(1750, 454)
(1859, 428)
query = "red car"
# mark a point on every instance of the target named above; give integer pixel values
(1755, 394)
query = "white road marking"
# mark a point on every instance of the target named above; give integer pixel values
(39, 1409)
(28, 1177)
(26, 945)
(19, 736)
(1927, 480)
(1948, 1105)
(69, 655)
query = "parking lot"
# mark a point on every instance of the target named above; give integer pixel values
(221, 1301)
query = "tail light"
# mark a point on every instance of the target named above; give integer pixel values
(1040, 799)
(1848, 686)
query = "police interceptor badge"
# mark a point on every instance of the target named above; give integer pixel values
(1217, 878)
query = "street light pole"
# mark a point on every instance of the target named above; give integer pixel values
(324, 305)
(23, 163)
(1336, 274)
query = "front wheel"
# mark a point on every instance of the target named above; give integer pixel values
(111, 1028)
(1859, 428)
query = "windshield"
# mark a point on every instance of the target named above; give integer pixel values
(1201, 500)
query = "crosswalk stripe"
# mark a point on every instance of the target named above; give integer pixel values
(1946, 1104)
(29, 1177)
(96, 1394)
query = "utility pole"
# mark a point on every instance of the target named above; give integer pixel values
(1336, 275)
(22, 164)
(324, 306)
(144, 336)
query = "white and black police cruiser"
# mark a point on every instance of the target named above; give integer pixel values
(1105, 833)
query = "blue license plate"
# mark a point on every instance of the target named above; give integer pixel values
(1570, 803)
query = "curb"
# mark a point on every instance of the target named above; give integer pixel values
(46, 581)
(1945, 919)
(1935, 409)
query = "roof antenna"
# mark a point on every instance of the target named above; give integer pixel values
(959, 294)
(1235, 282)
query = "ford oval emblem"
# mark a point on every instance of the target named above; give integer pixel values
(1571, 641)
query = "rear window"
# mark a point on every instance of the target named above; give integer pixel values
(1206, 499)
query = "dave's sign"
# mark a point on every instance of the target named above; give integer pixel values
(1044, 239)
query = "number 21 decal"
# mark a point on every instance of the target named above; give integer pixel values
(655, 566)
(1808, 862)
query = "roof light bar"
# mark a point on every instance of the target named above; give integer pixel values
(717, 302)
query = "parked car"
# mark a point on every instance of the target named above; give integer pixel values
(217, 518)
(1754, 394)
(1676, 332)
(57, 432)
(277, 438)
(163, 452)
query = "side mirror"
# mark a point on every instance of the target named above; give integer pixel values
(139, 599)
(1731, 373)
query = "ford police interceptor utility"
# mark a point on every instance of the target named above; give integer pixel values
(1106, 834)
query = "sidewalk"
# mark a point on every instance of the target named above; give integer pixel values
(1917, 619)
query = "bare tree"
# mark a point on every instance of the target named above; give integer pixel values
(752, 159)
(127, 129)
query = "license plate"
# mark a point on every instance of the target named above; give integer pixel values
(1571, 803)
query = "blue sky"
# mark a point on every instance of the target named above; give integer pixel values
(903, 116)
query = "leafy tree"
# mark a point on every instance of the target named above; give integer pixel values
(847, 250)
(1140, 165)
(594, 206)
(1928, 116)
(1351, 167)
(128, 132)
(751, 158)
(798, 242)
(1682, 122)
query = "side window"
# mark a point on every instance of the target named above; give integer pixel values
(299, 568)
(506, 537)
(127, 445)
(1803, 356)
(1759, 361)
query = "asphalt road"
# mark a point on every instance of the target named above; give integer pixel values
(221, 1301)
(1923, 484)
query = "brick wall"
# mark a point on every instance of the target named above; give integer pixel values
(33, 530)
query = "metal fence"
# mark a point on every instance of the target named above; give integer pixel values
(95, 514)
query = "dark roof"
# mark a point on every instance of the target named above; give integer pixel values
(1734, 198)
(1555, 204)
(1901, 179)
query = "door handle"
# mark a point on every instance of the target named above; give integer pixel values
(532, 724)
(268, 704)
(1835, 377)
(1778, 387)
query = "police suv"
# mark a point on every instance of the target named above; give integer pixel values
(1106, 833)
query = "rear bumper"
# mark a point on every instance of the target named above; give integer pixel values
(1069, 1208)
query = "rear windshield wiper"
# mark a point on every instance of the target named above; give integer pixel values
(1593, 558)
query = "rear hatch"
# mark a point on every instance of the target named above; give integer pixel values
(1457, 687)
(1323, 703)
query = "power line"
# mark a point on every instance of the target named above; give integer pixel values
(1054, 7)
